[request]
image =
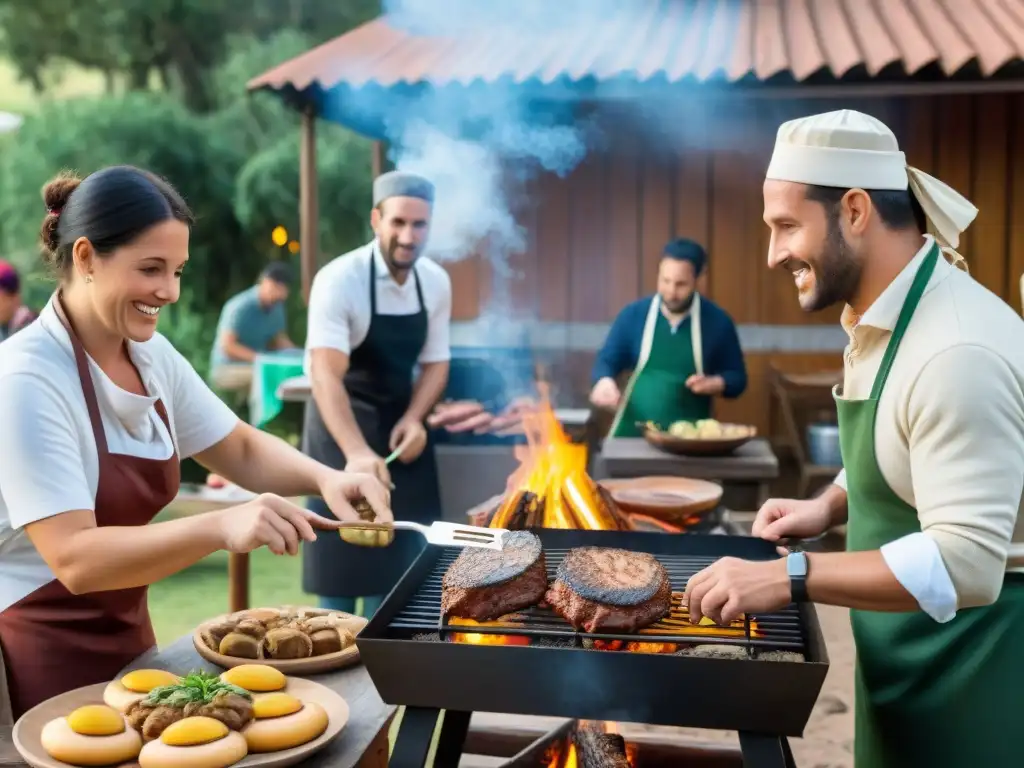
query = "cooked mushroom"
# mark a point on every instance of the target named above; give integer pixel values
(151, 720)
(252, 628)
(240, 645)
(331, 641)
(212, 634)
(230, 708)
(287, 643)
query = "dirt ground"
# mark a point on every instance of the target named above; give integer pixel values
(828, 739)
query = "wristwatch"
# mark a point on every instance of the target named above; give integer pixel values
(796, 567)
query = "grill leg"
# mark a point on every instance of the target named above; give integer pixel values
(761, 751)
(416, 733)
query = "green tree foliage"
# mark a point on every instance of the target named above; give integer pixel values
(238, 166)
(180, 42)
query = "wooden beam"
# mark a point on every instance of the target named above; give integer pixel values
(377, 159)
(309, 224)
(711, 92)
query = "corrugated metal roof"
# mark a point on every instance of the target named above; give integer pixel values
(677, 40)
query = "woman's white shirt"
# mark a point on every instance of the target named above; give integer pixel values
(49, 462)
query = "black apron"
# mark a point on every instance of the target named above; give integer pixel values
(379, 385)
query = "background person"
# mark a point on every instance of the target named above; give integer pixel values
(376, 315)
(98, 410)
(683, 350)
(14, 315)
(252, 322)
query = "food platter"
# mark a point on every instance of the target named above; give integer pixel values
(732, 437)
(310, 665)
(28, 729)
(665, 498)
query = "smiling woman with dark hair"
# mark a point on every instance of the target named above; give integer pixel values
(98, 410)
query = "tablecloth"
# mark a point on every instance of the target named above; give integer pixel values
(269, 370)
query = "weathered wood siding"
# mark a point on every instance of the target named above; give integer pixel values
(596, 236)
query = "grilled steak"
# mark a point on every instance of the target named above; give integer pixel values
(483, 584)
(598, 589)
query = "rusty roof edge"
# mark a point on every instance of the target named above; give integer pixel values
(282, 70)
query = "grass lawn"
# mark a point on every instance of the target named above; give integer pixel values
(179, 603)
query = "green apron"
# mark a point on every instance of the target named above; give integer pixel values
(927, 694)
(658, 391)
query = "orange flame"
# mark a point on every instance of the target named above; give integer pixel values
(484, 638)
(563, 755)
(551, 488)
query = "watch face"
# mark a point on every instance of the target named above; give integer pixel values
(796, 564)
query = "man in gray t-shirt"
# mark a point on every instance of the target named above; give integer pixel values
(252, 322)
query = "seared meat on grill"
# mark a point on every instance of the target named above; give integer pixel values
(483, 584)
(599, 589)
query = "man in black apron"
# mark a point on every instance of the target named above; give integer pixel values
(375, 315)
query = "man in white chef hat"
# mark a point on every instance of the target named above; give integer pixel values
(931, 421)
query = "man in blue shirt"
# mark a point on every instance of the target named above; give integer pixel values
(252, 322)
(683, 350)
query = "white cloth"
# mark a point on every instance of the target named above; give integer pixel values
(48, 458)
(949, 434)
(339, 303)
(850, 149)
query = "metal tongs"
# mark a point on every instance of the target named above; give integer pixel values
(439, 533)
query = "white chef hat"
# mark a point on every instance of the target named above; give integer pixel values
(849, 149)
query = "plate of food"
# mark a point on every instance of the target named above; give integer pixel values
(706, 437)
(250, 715)
(294, 640)
(670, 498)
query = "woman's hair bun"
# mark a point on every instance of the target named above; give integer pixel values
(55, 197)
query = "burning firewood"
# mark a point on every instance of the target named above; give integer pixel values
(551, 487)
(597, 749)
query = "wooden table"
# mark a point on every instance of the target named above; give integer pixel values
(362, 744)
(753, 463)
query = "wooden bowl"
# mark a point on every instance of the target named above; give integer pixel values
(29, 727)
(682, 446)
(312, 665)
(666, 498)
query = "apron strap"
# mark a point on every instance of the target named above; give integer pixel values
(373, 281)
(917, 288)
(85, 377)
(419, 289)
(646, 341)
(696, 337)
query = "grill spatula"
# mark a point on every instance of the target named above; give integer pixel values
(440, 533)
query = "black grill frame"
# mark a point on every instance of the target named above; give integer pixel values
(750, 695)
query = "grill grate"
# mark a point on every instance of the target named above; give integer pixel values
(781, 630)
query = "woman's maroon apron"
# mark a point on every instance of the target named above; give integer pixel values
(53, 641)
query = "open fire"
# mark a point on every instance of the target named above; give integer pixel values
(551, 487)
(591, 744)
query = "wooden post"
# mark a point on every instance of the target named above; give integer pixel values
(238, 581)
(309, 225)
(377, 159)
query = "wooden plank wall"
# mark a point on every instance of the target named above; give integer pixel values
(595, 237)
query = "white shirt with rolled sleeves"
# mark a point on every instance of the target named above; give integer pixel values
(339, 303)
(48, 458)
(949, 434)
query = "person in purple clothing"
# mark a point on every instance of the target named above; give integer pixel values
(13, 314)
